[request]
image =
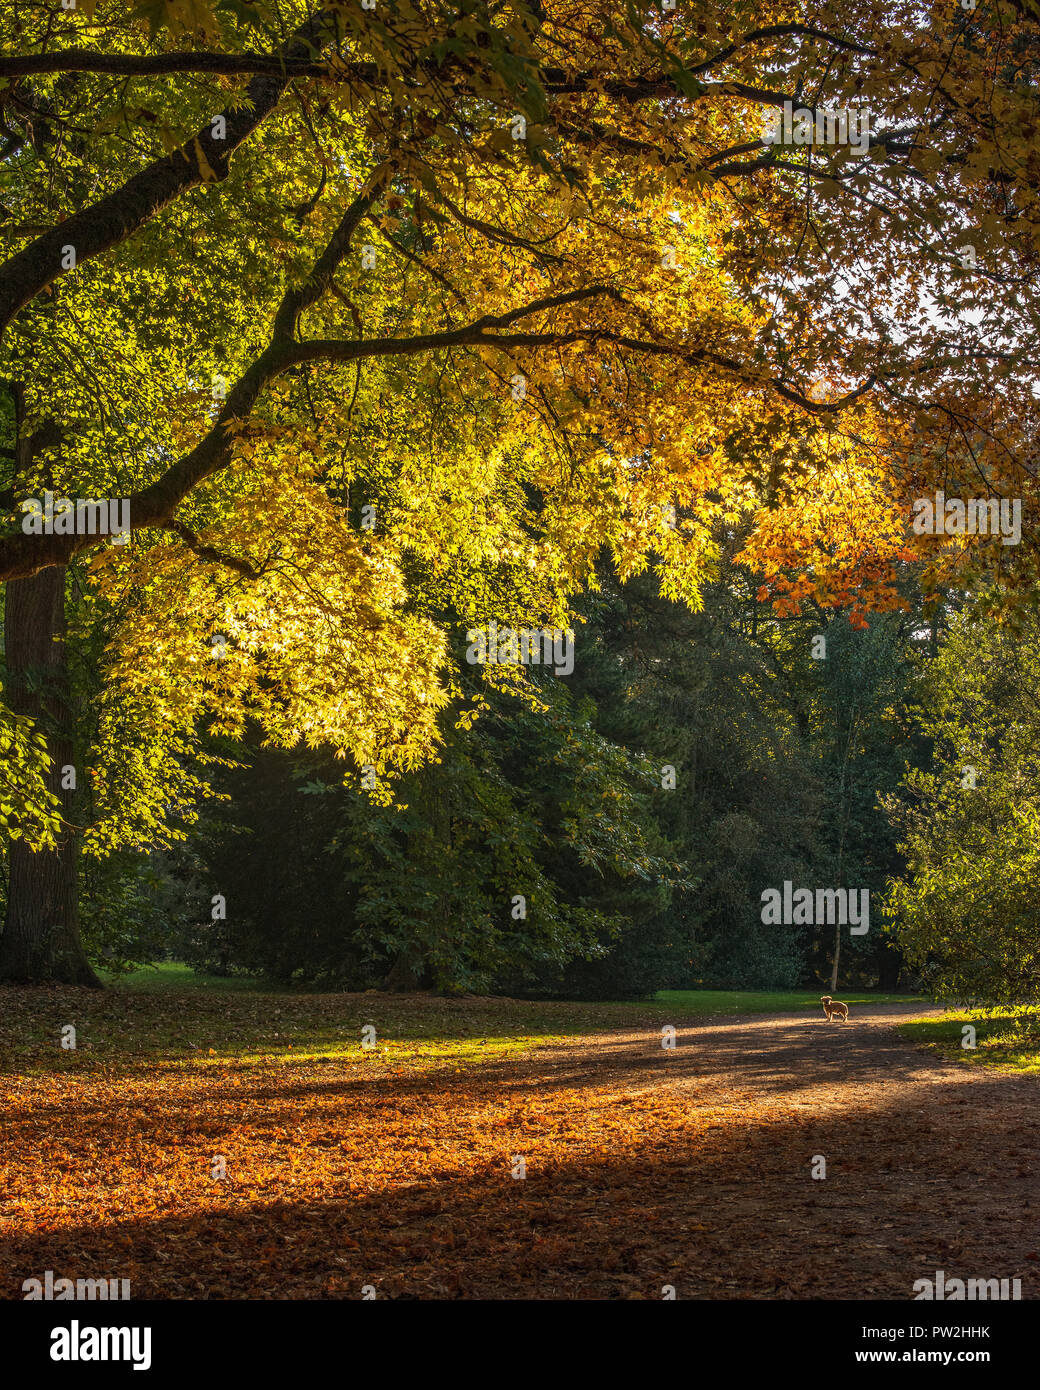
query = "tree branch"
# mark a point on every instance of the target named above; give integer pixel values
(115, 217)
(153, 506)
(320, 279)
(162, 64)
(208, 552)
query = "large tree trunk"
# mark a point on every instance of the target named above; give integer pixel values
(41, 942)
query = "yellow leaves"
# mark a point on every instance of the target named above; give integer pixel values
(170, 139)
(318, 648)
(208, 176)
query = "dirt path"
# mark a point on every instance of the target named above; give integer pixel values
(644, 1168)
(929, 1165)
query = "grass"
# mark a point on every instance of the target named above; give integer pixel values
(173, 977)
(167, 1014)
(128, 1028)
(712, 1002)
(1004, 1039)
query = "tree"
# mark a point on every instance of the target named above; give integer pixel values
(518, 849)
(865, 740)
(561, 227)
(704, 698)
(965, 911)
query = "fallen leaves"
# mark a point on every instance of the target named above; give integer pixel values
(641, 1169)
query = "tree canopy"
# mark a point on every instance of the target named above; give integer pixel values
(387, 321)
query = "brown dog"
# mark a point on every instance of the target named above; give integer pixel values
(834, 1006)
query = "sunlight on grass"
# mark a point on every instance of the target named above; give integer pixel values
(167, 1015)
(1009, 1040)
(433, 1052)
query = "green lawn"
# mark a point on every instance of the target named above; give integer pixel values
(173, 977)
(702, 1002)
(1004, 1039)
(247, 1018)
(162, 1009)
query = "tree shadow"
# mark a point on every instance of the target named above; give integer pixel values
(710, 1189)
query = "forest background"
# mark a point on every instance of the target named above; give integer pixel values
(391, 322)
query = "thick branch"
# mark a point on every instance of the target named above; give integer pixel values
(161, 64)
(320, 278)
(114, 218)
(556, 80)
(154, 506)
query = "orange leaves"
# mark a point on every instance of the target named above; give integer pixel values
(838, 531)
(338, 1175)
(643, 1168)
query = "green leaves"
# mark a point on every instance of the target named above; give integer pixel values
(686, 82)
(964, 911)
(252, 16)
(29, 810)
(179, 16)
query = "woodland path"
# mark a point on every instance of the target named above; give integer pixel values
(644, 1167)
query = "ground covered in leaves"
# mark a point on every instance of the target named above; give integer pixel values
(394, 1167)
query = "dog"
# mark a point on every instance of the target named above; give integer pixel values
(834, 1006)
